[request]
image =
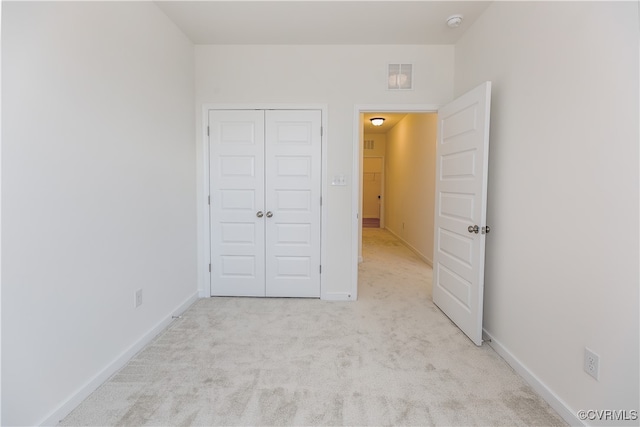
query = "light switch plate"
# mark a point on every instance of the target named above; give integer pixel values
(339, 180)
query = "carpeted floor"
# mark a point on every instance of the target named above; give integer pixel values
(391, 358)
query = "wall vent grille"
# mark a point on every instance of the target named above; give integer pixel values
(400, 77)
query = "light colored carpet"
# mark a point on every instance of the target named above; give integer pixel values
(391, 358)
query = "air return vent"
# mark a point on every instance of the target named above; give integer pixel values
(400, 77)
(368, 144)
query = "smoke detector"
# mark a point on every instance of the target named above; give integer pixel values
(454, 21)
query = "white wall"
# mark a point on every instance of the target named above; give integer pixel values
(562, 256)
(98, 193)
(338, 76)
(410, 172)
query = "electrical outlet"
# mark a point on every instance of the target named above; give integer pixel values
(591, 363)
(138, 301)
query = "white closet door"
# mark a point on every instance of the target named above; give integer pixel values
(293, 178)
(236, 146)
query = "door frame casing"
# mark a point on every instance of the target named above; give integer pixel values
(356, 198)
(202, 158)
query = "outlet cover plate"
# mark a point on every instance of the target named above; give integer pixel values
(591, 363)
(138, 300)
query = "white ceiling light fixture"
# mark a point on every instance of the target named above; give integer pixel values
(454, 21)
(377, 121)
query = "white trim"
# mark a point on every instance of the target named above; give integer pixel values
(83, 392)
(541, 388)
(324, 220)
(204, 226)
(356, 196)
(204, 246)
(337, 296)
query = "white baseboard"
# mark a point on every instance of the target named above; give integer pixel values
(203, 293)
(337, 296)
(81, 394)
(541, 388)
(414, 250)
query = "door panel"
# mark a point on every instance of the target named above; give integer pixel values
(461, 198)
(292, 182)
(237, 194)
(292, 201)
(266, 162)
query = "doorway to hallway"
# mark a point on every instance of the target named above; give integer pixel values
(397, 177)
(458, 205)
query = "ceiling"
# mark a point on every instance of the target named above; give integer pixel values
(321, 22)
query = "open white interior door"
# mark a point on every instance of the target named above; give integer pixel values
(462, 156)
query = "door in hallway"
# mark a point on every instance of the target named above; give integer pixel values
(460, 209)
(265, 184)
(371, 188)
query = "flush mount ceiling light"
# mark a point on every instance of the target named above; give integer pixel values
(454, 21)
(377, 121)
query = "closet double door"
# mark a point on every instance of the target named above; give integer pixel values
(265, 202)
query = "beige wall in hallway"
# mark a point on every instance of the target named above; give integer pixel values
(379, 145)
(410, 181)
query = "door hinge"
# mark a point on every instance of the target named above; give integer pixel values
(208, 200)
(320, 200)
(320, 269)
(321, 131)
(209, 267)
(207, 130)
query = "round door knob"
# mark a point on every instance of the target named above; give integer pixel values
(473, 229)
(259, 214)
(269, 214)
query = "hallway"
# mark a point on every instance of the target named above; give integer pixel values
(390, 266)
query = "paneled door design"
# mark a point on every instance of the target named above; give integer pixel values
(371, 187)
(293, 163)
(265, 183)
(462, 155)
